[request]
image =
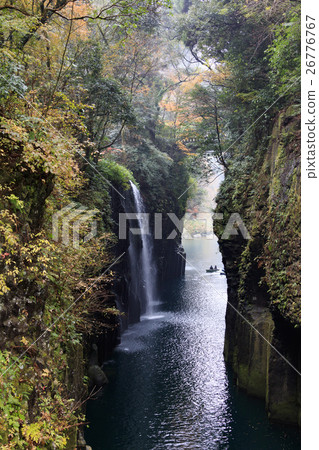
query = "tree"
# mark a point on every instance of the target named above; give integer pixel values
(249, 42)
(40, 12)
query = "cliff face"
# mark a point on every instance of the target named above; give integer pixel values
(166, 255)
(127, 296)
(50, 368)
(169, 253)
(58, 305)
(262, 341)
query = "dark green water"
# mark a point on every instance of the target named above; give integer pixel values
(169, 387)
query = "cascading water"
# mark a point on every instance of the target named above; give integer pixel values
(147, 273)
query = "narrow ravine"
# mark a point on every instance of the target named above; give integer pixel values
(110, 109)
(168, 384)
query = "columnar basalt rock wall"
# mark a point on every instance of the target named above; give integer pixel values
(262, 341)
(169, 257)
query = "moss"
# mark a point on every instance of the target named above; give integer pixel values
(116, 173)
(284, 411)
(264, 272)
(72, 439)
(252, 380)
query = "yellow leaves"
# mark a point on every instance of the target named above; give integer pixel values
(175, 104)
(193, 81)
(46, 373)
(184, 149)
(4, 289)
(21, 260)
(219, 75)
(9, 238)
(44, 149)
(15, 131)
(12, 273)
(33, 432)
(183, 107)
(77, 10)
(132, 59)
(169, 105)
(24, 341)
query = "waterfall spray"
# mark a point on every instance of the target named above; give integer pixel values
(148, 268)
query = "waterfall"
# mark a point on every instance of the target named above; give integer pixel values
(147, 273)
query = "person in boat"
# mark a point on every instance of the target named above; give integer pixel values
(215, 268)
(211, 268)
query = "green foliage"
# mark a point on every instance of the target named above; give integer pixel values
(73, 121)
(151, 169)
(285, 56)
(40, 176)
(116, 173)
(232, 195)
(107, 105)
(265, 190)
(10, 80)
(20, 382)
(148, 164)
(257, 45)
(13, 402)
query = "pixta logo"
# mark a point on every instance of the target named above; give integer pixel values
(139, 223)
(69, 220)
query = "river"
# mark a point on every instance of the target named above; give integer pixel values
(169, 387)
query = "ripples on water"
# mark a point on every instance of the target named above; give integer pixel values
(169, 388)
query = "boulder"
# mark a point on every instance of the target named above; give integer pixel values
(97, 376)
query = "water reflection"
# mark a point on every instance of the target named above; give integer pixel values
(169, 388)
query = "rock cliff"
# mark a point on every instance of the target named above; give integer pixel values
(262, 341)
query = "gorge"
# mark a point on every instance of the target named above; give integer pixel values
(169, 386)
(115, 117)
